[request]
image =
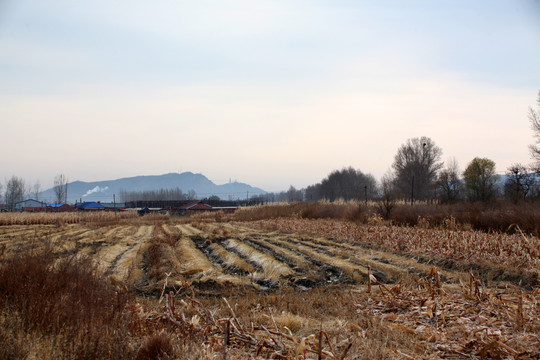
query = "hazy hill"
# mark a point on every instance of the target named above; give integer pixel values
(104, 190)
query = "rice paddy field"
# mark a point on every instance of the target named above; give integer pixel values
(214, 287)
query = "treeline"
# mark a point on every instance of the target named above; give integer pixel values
(174, 194)
(418, 174)
(345, 184)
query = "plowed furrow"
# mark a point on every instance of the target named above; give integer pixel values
(355, 272)
(378, 268)
(108, 255)
(272, 269)
(394, 266)
(119, 266)
(236, 254)
(228, 262)
(192, 260)
(63, 232)
(324, 272)
(286, 245)
(293, 260)
(188, 230)
(200, 269)
(144, 231)
(383, 268)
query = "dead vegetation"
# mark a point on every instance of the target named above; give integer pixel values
(282, 289)
(494, 256)
(62, 218)
(501, 216)
(60, 308)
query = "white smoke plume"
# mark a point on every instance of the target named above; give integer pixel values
(97, 189)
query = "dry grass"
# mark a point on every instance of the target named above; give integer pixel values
(60, 308)
(517, 252)
(499, 216)
(101, 218)
(59, 301)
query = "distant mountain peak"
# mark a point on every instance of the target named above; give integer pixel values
(110, 189)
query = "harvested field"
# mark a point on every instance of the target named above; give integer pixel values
(492, 256)
(189, 254)
(303, 289)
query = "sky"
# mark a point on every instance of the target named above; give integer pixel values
(270, 93)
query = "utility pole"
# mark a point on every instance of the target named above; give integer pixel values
(365, 193)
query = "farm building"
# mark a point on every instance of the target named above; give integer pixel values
(60, 208)
(181, 207)
(90, 206)
(113, 206)
(199, 206)
(28, 204)
(196, 206)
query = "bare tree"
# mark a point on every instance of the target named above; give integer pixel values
(313, 192)
(61, 188)
(15, 189)
(36, 189)
(519, 183)
(294, 195)
(388, 195)
(416, 165)
(449, 184)
(191, 195)
(152, 195)
(534, 118)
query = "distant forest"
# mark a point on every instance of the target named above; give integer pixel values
(160, 195)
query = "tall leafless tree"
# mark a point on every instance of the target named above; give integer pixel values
(61, 188)
(449, 184)
(388, 195)
(294, 195)
(36, 189)
(15, 189)
(519, 183)
(416, 165)
(151, 195)
(191, 195)
(534, 118)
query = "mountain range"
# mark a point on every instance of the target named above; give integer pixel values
(106, 191)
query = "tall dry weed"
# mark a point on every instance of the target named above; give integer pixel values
(64, 302)
(103, 218)
(494, 217)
